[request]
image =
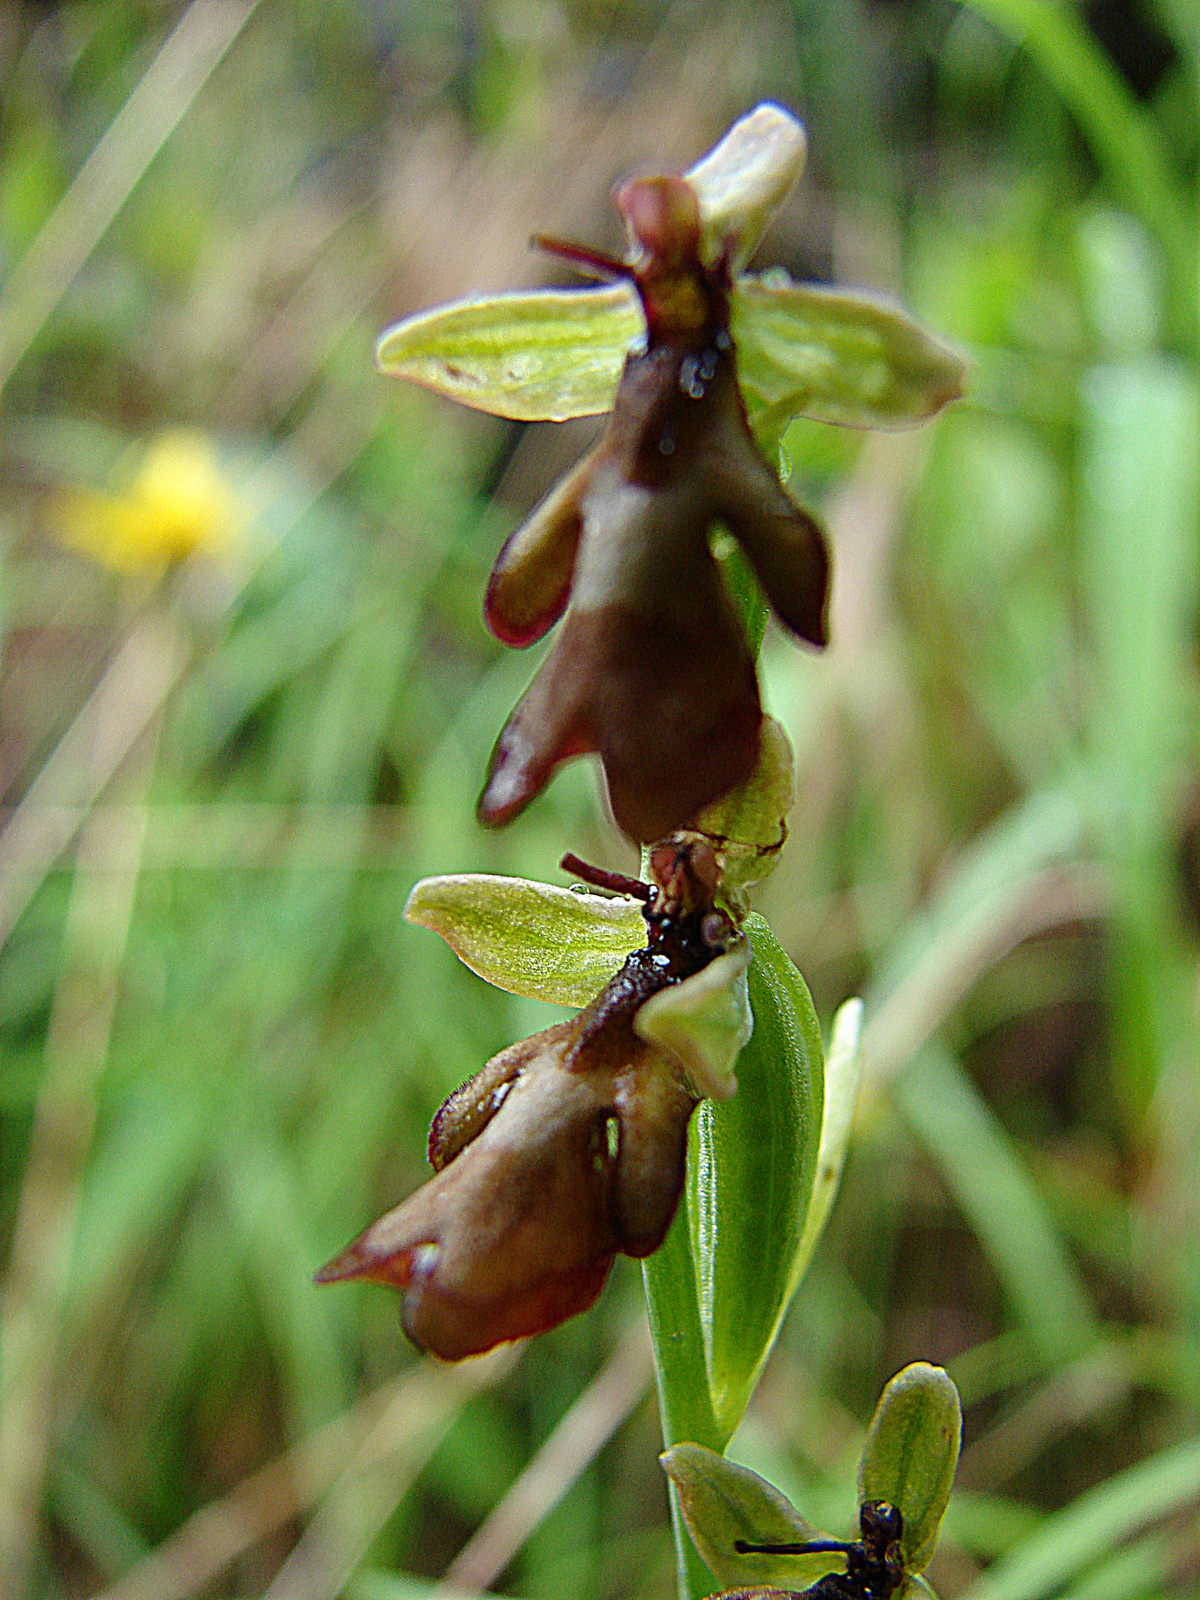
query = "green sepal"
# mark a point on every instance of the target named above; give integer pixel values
(531, 939)
(751, 1166)
(837, 356)
(704, 1022)
(911, 1453)
(541, 356)
(803, 351)
(722, 1502)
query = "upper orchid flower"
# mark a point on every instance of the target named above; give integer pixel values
(652, 669)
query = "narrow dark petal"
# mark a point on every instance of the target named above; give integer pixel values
(531, 580)
(463, 1115)
(653, 1115)
(783, 543)
(547, 726)
(596, 263)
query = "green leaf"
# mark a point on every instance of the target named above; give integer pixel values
(745, 178)
(541, 356)
(722, 1502)
(965, 925)
(837, 356)
(703, 1022)
(277, 1245)
(1137, 551)
(1144, 1567)
(531, 939)
(1127, 141)
(751, 1167)
(911, 1453)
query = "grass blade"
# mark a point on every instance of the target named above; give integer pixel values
(998, 1196)
(1092, 1526)
(1126, 141)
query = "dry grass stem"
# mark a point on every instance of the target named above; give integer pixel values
(612, 1396)
(107, 178)
(98, 922)
(410, 1414)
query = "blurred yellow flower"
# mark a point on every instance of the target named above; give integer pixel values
(178, 502)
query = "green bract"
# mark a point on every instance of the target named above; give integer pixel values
(842, 1073)
(911, 1453)
(803, 351)
(750, 1178)
(747, 826)
(722, 1502)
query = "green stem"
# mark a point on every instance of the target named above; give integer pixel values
(669, 1275)
(684, 1398)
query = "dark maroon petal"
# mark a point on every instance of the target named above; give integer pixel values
(531, 580)
(783, 543)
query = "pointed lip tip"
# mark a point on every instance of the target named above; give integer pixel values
(489, 814)
(352, 1262)
(329, 1273)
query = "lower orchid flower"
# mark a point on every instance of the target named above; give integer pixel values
(569, 1146)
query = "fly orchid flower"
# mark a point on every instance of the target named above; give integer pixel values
(567, 1147)
(652, 669)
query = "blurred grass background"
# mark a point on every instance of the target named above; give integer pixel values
(222, 1046)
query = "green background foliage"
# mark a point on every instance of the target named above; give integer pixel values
(221, 1043)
